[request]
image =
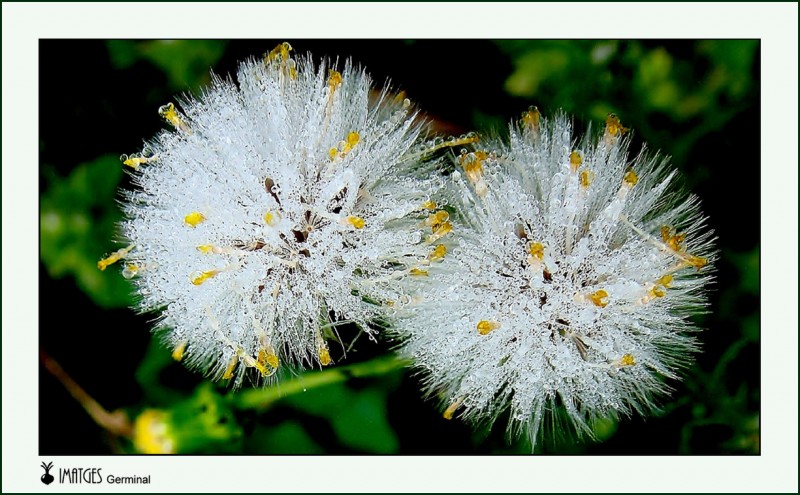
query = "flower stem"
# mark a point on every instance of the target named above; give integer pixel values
(265, 397)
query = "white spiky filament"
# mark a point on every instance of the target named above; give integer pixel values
(571, 287)
(276, 207)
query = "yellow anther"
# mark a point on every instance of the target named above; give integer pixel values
(194, 219)
(114, 257)
(355, 222)
(352, 140)
(675, 242)
(177, 353)
(440, 232)
(469, 138)
(334, 79)
(429, 205)
(434, 220)
(614, 127)
(418, 272)
(206, 248)
(231, 367)
(324, 355)
(271, 218)
(169, 114)
(626, 360)
(657, 291)
(438, 253)
(599, 298)
(666, 281)
(536, 249)
(531, 119)
(575, 161)
(280, 52)
(695, 261)
(134, 161)
(630, 178)
(199, 278)
(389, 303)
(486, 326)
(333, 153)
(585, 178)
(451, 409)
(473, 165)
(130, 270)
(266, 356)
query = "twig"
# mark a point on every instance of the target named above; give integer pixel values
(116, 423)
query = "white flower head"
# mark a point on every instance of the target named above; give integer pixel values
(571, 286)
(276, 207)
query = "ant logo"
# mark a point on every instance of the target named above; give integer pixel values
(47, 478)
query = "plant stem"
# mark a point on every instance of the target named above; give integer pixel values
(265, 397)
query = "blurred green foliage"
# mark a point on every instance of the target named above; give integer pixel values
(696, 100)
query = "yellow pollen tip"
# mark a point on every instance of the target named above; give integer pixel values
(429, 205)
(486, 326)
(438, 253)
(451, 410)
(113, 258)
(696, 261)
(434, 220)
(614, 127)
(657, 291)
(666, 280)
(203, 276)
(324, 356)
(333, 153)
(586, 178)
(180, 349)
(194, 219)
(231, 367)
(440, 232)
(627, 360)
(630, 178)
(271, 219)
(169, 114)
(356, 222)
(417, 272)
(531, 118)
(205, 248)
(352, 139)
(134, 161)
(130, 270)
(575, 161)
(280, 52)
(334, 79)
(267, 357)
(599, 298)
(536, 249)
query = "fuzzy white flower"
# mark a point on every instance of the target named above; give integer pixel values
(273, 211)
(571, 286)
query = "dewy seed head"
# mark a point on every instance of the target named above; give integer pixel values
(562, 250)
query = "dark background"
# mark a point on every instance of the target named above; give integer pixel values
(695, 100)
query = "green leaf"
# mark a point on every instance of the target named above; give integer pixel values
(286, 438)
(362, 423)
(186, 63)
(78, 219)
(205, 423)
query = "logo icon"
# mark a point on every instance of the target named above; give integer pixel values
(47, 478)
